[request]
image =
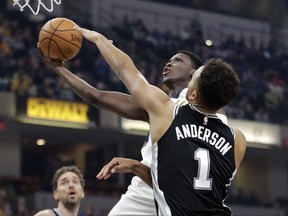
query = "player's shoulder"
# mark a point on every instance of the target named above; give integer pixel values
(240, 135)
(46, 212)
(240, 146)
(179, 101)
(240, 140)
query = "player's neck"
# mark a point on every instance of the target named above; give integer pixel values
(70, 211)
(175, 90)
(204, 109)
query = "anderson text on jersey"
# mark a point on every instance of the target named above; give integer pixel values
(205, 134)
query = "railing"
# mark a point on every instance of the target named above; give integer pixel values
(239, 31)
(155, 17)
(281, 40)
(175, 23)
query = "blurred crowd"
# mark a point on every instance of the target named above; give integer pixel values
(262, 70)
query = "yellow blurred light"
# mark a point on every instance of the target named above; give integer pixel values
(41, 142)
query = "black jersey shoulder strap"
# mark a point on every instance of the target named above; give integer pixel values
(56, 214)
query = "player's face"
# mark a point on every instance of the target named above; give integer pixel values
(193, 85)
(177, 69)
(69, 189)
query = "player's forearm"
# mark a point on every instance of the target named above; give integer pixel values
(78, 85)
(120, 103)
(116, 59)
(123, 67)
(119, 61)
(143, 172)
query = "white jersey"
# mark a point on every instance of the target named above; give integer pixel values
(139, 199)
(183, 93)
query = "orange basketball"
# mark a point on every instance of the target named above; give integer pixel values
(58, 40)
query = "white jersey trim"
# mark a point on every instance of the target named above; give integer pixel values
(158, 194)
(223, 118)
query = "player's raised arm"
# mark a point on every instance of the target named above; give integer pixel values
(145, 94)
(120, 103)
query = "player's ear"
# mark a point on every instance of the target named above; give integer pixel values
(55, 195)
(193, 96)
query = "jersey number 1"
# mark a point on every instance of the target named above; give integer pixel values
(202, 181)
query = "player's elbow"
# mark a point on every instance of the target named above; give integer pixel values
(92, 97)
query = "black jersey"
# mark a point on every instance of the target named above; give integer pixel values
(193, 165)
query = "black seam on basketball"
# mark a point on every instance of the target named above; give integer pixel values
(59, 49)
(66, 41)
(79, 47)
(57, 25)
(48, 32)
(49, 45)
(63, 30)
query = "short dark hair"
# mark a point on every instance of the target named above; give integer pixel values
(218, 84)
(195, 60)
(65, 169)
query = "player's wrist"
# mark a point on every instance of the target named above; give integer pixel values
(138, 167)
(97, 37)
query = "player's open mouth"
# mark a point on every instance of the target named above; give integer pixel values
(72, 193)
(165, 71)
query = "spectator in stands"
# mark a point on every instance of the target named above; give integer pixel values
(22, 208)
(5, 205)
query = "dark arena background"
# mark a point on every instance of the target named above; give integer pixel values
(44, 125)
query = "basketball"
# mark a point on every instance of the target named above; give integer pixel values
(58, 40)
